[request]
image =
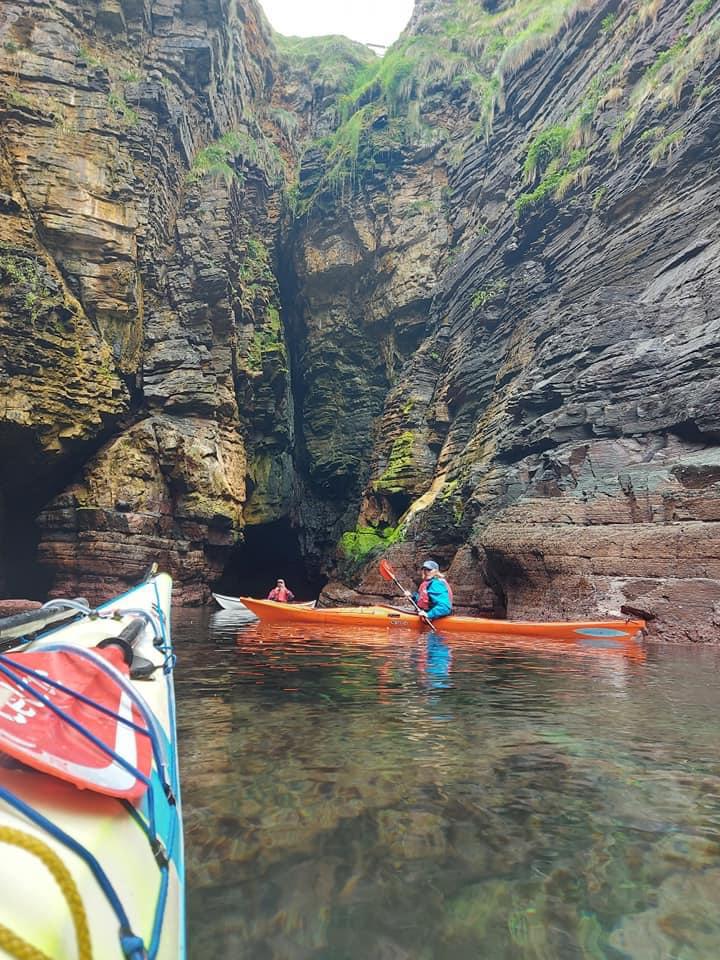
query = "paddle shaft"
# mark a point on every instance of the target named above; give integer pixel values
(421, 613)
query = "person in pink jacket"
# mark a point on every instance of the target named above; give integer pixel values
(281, 593)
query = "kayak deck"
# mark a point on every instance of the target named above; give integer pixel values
(137, 845)
(377, 616)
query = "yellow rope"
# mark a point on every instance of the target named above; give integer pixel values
(17, 947)
(13, 944)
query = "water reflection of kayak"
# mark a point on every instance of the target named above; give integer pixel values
(235, 603)
(605, 630)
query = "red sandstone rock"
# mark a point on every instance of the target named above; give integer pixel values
(9, 608)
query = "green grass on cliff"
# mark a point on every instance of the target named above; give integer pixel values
(481, 298)
(369, 142)
(697, 10)
(25, 277)
(544, 148)
(215, 160)
(16, 98)
(332, 62)
(464, 51)
(674, 71)
(117, 103)
(553, 160)
(666, 147)
(558, 158)
(560, 176)
(234, 153)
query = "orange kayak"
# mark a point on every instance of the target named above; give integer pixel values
(270, 611)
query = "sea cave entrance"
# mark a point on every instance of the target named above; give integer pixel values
(269, 551)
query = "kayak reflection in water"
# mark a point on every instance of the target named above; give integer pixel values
(431, 657)
(280, 593)
(435, 662)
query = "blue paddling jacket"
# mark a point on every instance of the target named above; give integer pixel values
(434, 597)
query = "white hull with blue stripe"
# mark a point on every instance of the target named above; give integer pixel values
(126, 858)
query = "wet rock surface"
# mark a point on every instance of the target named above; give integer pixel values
(137, 283)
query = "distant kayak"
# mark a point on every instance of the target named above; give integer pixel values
(235, 603)
(273, 612)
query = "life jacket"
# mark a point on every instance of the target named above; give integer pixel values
(280, 594)
(423, 600)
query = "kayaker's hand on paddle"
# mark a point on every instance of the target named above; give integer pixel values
(387, 573)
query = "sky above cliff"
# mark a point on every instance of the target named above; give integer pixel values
(369, 21)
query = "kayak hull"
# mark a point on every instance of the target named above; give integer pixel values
(387, 617)
(111, 830)
(235, 603)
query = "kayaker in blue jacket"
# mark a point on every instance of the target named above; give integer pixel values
(434, 595)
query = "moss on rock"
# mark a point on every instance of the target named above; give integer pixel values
(395, 475)
(358, 545)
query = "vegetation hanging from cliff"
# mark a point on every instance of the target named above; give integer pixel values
(559, 158)
(463, 51)
(332, 62)
(469, 52)
(661, 85)
(233, 154)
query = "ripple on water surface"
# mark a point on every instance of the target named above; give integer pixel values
(383, 795)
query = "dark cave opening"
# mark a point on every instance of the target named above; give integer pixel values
(29, 481)
(24, 487)
(24, 577)
(270, 550)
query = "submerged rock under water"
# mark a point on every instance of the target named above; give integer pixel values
(340, 801)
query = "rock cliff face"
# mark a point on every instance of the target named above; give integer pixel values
(479, 322)
(143, 351)
(553, 438)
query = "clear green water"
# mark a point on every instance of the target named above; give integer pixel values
(386, 798)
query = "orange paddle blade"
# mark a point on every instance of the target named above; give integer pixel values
(386, 571)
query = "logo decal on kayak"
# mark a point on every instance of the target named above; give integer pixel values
(600, 632)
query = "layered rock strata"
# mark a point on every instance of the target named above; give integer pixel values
(138, 226)
(480, 323)
(560, 417)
